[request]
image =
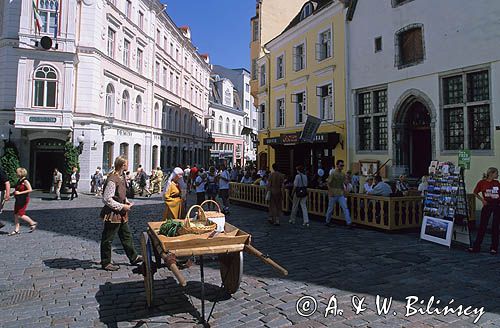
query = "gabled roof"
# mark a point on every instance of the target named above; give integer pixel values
(317, 6)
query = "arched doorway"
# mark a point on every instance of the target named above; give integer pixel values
(46, 155)
(413, 135)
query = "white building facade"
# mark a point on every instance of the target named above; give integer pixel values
(240, 78)
(423, 82)
(225, 124)
(119, 79)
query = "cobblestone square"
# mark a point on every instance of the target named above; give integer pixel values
(52, 277)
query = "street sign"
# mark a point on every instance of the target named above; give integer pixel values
(464, 159)
(310, 129)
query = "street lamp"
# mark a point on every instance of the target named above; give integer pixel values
(80, 140)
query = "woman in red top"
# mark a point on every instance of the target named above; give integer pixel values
(21, 193)
(490, 190)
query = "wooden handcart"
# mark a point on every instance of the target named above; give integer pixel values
(228, 246)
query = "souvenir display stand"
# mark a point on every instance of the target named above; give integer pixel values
(446, 211)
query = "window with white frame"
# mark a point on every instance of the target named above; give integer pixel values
(165, 77)
(221, 122)
(372, 120)
(177, 126)
(262, 116)
(138, 110)
(156, 116)
(170, 119)
(165, 43)
(158, 37)
(111, 42)
(262, 75)
(324, 46)
(110, 101)
(325, 98)
(212, 125)
(280, 67)
(234, 127)
(247, 87)
(125, 105)
(247, 104)
(140, 58)
(45, 87)
(157, 72)
(227, 125)
(280, 112)
(306, 11)
(171, 82)
(467, 111)
(141, 20)
(255, 30)
(299, 57)
(128, 9)
(299, 99)
(49, 13)
(126, 52)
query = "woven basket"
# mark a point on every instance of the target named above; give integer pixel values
(212, 214)
(189, 228)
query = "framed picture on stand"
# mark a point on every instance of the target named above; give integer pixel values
(436, 230)
(368, 167)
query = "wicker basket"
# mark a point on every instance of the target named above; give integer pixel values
(189, 228)
(215, 216)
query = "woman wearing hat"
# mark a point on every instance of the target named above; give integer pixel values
(172, 195)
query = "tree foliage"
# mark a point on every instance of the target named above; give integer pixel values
(71, 159)
(10, 161)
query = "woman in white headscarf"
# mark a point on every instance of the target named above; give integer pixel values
(172, 195)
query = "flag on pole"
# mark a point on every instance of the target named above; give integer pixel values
(56, 19)
(36, 16)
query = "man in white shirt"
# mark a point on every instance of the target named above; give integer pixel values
(224, 187)
(200, 183)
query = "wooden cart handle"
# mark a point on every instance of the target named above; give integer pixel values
(255, 252)
(170, 260)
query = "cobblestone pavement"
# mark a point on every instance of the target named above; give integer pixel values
(52, 277)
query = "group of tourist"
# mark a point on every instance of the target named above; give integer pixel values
(208, 184)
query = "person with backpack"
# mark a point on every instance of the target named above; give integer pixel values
(299, 193)
(4, 191)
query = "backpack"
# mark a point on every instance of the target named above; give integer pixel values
(301, 192)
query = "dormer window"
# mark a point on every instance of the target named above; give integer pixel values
(306, 11)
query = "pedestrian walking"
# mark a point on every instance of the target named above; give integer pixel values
(489, 187)
(275, 187)
(224, 180)
(22, 191)
(4, 191)
(336, 193)
(187, 175)
(140, 179)
(115, 214)
(212, 186)
(200, 183)
(97, 181)
(75, 177)
(193, 174)
(57, 183)
(299, 193)
(172, 195)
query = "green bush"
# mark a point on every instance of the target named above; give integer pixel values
(10, 162)
(71, 159)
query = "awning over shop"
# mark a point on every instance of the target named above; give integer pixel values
(291, 139)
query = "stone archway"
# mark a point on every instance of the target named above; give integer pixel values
(414, 134)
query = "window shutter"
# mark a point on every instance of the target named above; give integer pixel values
(319, 91)
(294, 98)
(318, 51)
(294, 55)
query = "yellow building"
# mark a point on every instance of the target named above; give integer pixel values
(303, 73)
(271, 18)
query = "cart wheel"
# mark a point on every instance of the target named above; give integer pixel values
(231, 271)
(147, 268)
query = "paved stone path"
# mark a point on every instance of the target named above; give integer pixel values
(52, 277)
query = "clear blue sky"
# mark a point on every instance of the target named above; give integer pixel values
(220, 28)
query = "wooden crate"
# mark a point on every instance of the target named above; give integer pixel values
(231, 240)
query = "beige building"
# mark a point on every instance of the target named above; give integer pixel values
(271, 18)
